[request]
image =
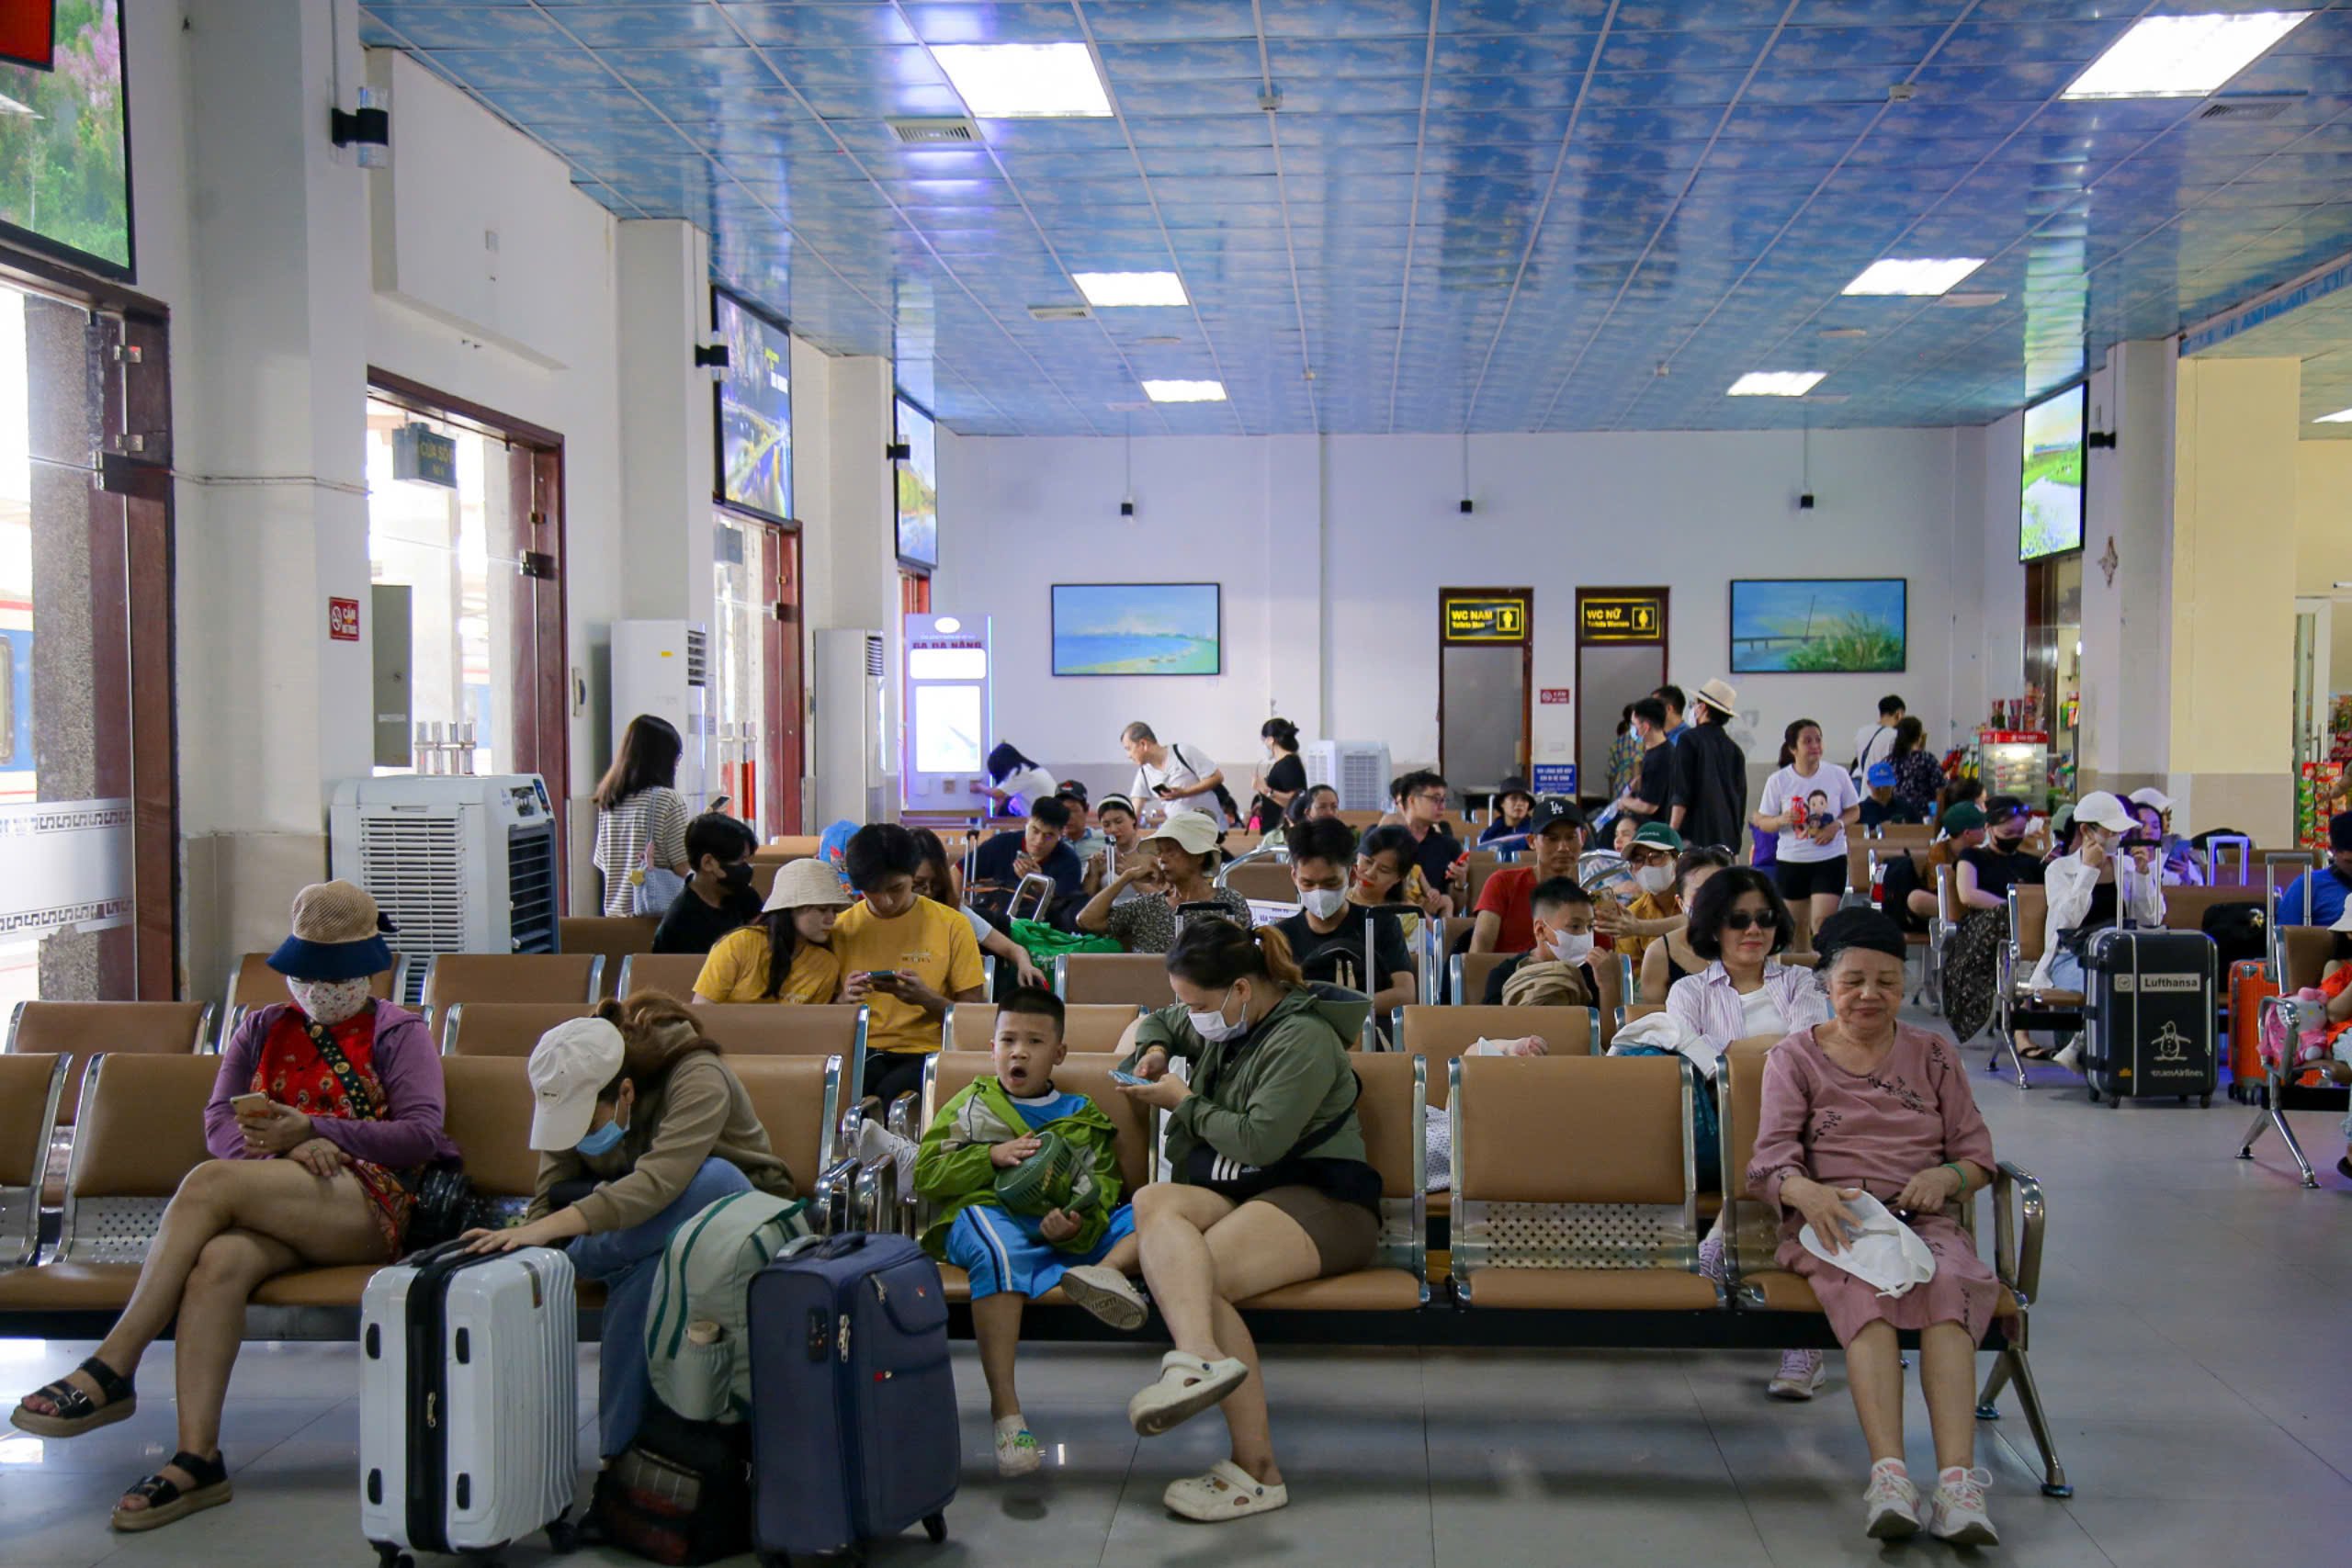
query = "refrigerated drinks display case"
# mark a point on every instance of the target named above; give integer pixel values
(2014, 761)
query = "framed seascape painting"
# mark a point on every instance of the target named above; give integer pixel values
(1819, 626)
(1139, 629)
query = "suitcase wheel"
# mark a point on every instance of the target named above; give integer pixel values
(2204, 1102)
(393, 1557)
(936, 1526)
(562, 1535)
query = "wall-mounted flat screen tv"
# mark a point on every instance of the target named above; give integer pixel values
(65, 142)
(754, 409)
(917, 490)
(2050, 498)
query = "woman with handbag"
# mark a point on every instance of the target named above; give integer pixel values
(641, 821)
(1271, 1186)
(324, 1122)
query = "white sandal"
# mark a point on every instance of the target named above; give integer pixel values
(1187, 1386)
(1107, 1293)
(1226, 1492)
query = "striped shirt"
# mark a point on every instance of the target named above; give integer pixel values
(656, 815)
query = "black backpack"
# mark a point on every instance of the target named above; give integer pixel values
(2240, 932)
(682, 1493)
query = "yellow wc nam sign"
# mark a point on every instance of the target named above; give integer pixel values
(1486, 618)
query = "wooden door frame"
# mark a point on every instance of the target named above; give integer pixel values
(1526, 668)
(1665, 658)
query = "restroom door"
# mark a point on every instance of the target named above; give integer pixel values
(1483, 652)
(1621, 656)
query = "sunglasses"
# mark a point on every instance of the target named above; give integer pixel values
(1741, 920)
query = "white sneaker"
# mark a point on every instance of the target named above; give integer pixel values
(1711, 1257)
(1017, 1453)
(1802, 1372)
(1107, 1293)
(1890, 1504)
(878, 1145)
(1957, 1513)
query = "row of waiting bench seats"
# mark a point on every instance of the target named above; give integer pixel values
(1576, 1213)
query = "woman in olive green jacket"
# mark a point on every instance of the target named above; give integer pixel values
(1271, 1185)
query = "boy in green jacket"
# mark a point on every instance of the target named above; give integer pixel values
(1025, 1178)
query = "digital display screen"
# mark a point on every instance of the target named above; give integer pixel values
(947, 664)
(917, 489)
(948, 729)
(754, 411)
(2049, 501)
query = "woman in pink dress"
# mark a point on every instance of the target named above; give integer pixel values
(1866, 1104)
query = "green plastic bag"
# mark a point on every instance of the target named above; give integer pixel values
(1045, 943)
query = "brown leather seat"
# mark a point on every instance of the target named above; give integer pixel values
(779, 851)
(80, 1029)
(337, 1286)
(1443, 1033)
(1263, 881)
(2304, 954)
(1477, 967)
(1613, 1227)
(1132, 979)
(673, 972)
(1389, 1109)
(763, 875)
(797, 1098)
(504, 1029)
(613, 937)
(1367, 1290)
(1086, 1027)
(2184, 906)
(455, 977)
(489, 1118)
(68, 1286)
(784, 1029)
(254, 984)
(29, 1089)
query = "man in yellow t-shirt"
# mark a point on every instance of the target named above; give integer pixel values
(905, 957)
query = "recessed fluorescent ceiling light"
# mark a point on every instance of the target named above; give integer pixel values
(1024, 81)
(2182, 57)
(2341, 416)
(1927, 276)
(1185, 391)
(1103, 289)
(1776, 383)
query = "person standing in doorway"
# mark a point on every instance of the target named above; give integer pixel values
(1875, 742)
(1653, 789)
(1710, 773)
(1171, 774)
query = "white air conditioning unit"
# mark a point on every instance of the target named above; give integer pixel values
(458, 865)
(663, 668)
(848, 771)
(1357, 769)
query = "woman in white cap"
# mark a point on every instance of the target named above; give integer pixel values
(326, 1111)
(1860, 1106)
(1182, 851)
(639, 1127)
(782, 956)
(2086, 886)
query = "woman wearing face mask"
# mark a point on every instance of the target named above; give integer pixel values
(1738, 925)
(2084, 895)
(1655, 911)
(1270, 1186)
(326, 1110)
(1669, 958)
(1328, 936)
(1385, 874)
(1981, 880)
(639, 1127)
(1863, 1104)
(1909, 896)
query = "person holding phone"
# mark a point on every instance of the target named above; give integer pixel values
(1174, 774)
(326, 1110)
(906, 958)
(2086, 889)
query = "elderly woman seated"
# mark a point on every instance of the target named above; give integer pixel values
(1862, 1116)
(326, 1110)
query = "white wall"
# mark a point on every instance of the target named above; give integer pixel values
(1342, 543)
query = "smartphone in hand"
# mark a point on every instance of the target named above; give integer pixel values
(254, 1104)
(1133, 1081)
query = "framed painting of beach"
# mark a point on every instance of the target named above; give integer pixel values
(1819, 626)
(1139, 629)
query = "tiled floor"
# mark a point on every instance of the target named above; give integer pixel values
(2189, 1344)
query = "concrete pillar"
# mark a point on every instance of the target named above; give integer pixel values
(2127, 622)
(850, 571)
(2232, 599)
(668, 410)
(272, 369)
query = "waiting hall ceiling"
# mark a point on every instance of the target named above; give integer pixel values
(1497, 215)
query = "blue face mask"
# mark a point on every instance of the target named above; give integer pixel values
(603, 1141)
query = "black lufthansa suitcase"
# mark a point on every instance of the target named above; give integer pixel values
(2149, 1001)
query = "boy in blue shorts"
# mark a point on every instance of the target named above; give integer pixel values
(1025, 1180)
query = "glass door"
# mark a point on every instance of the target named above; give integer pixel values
(758, 700)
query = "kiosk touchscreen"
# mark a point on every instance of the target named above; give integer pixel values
(948, 721)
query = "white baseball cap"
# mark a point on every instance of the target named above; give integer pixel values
(2153, 796)
(569, 1064)
(2101, 809)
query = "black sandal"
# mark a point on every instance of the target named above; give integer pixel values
(166, 1502)
(76, 1412)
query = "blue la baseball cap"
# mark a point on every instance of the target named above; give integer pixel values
(1880, 776)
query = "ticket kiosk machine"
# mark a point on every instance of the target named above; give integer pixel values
(949, 725)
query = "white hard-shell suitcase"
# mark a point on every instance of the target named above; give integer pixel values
(469, 1402)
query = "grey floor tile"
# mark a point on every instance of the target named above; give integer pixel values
(2138, 1532)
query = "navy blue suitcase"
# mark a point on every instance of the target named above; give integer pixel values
(853, 1427)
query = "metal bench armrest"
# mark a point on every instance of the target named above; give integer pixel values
(2016, 1248)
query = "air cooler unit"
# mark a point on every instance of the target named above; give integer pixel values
(458, 865)
(1357, 769)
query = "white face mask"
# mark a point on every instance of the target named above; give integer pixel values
(1655, 878)
(1322, 902)
(1212, 1025)
(1570, 948)
(329, 1003)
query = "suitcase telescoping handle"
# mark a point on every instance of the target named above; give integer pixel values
(840, 1246)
